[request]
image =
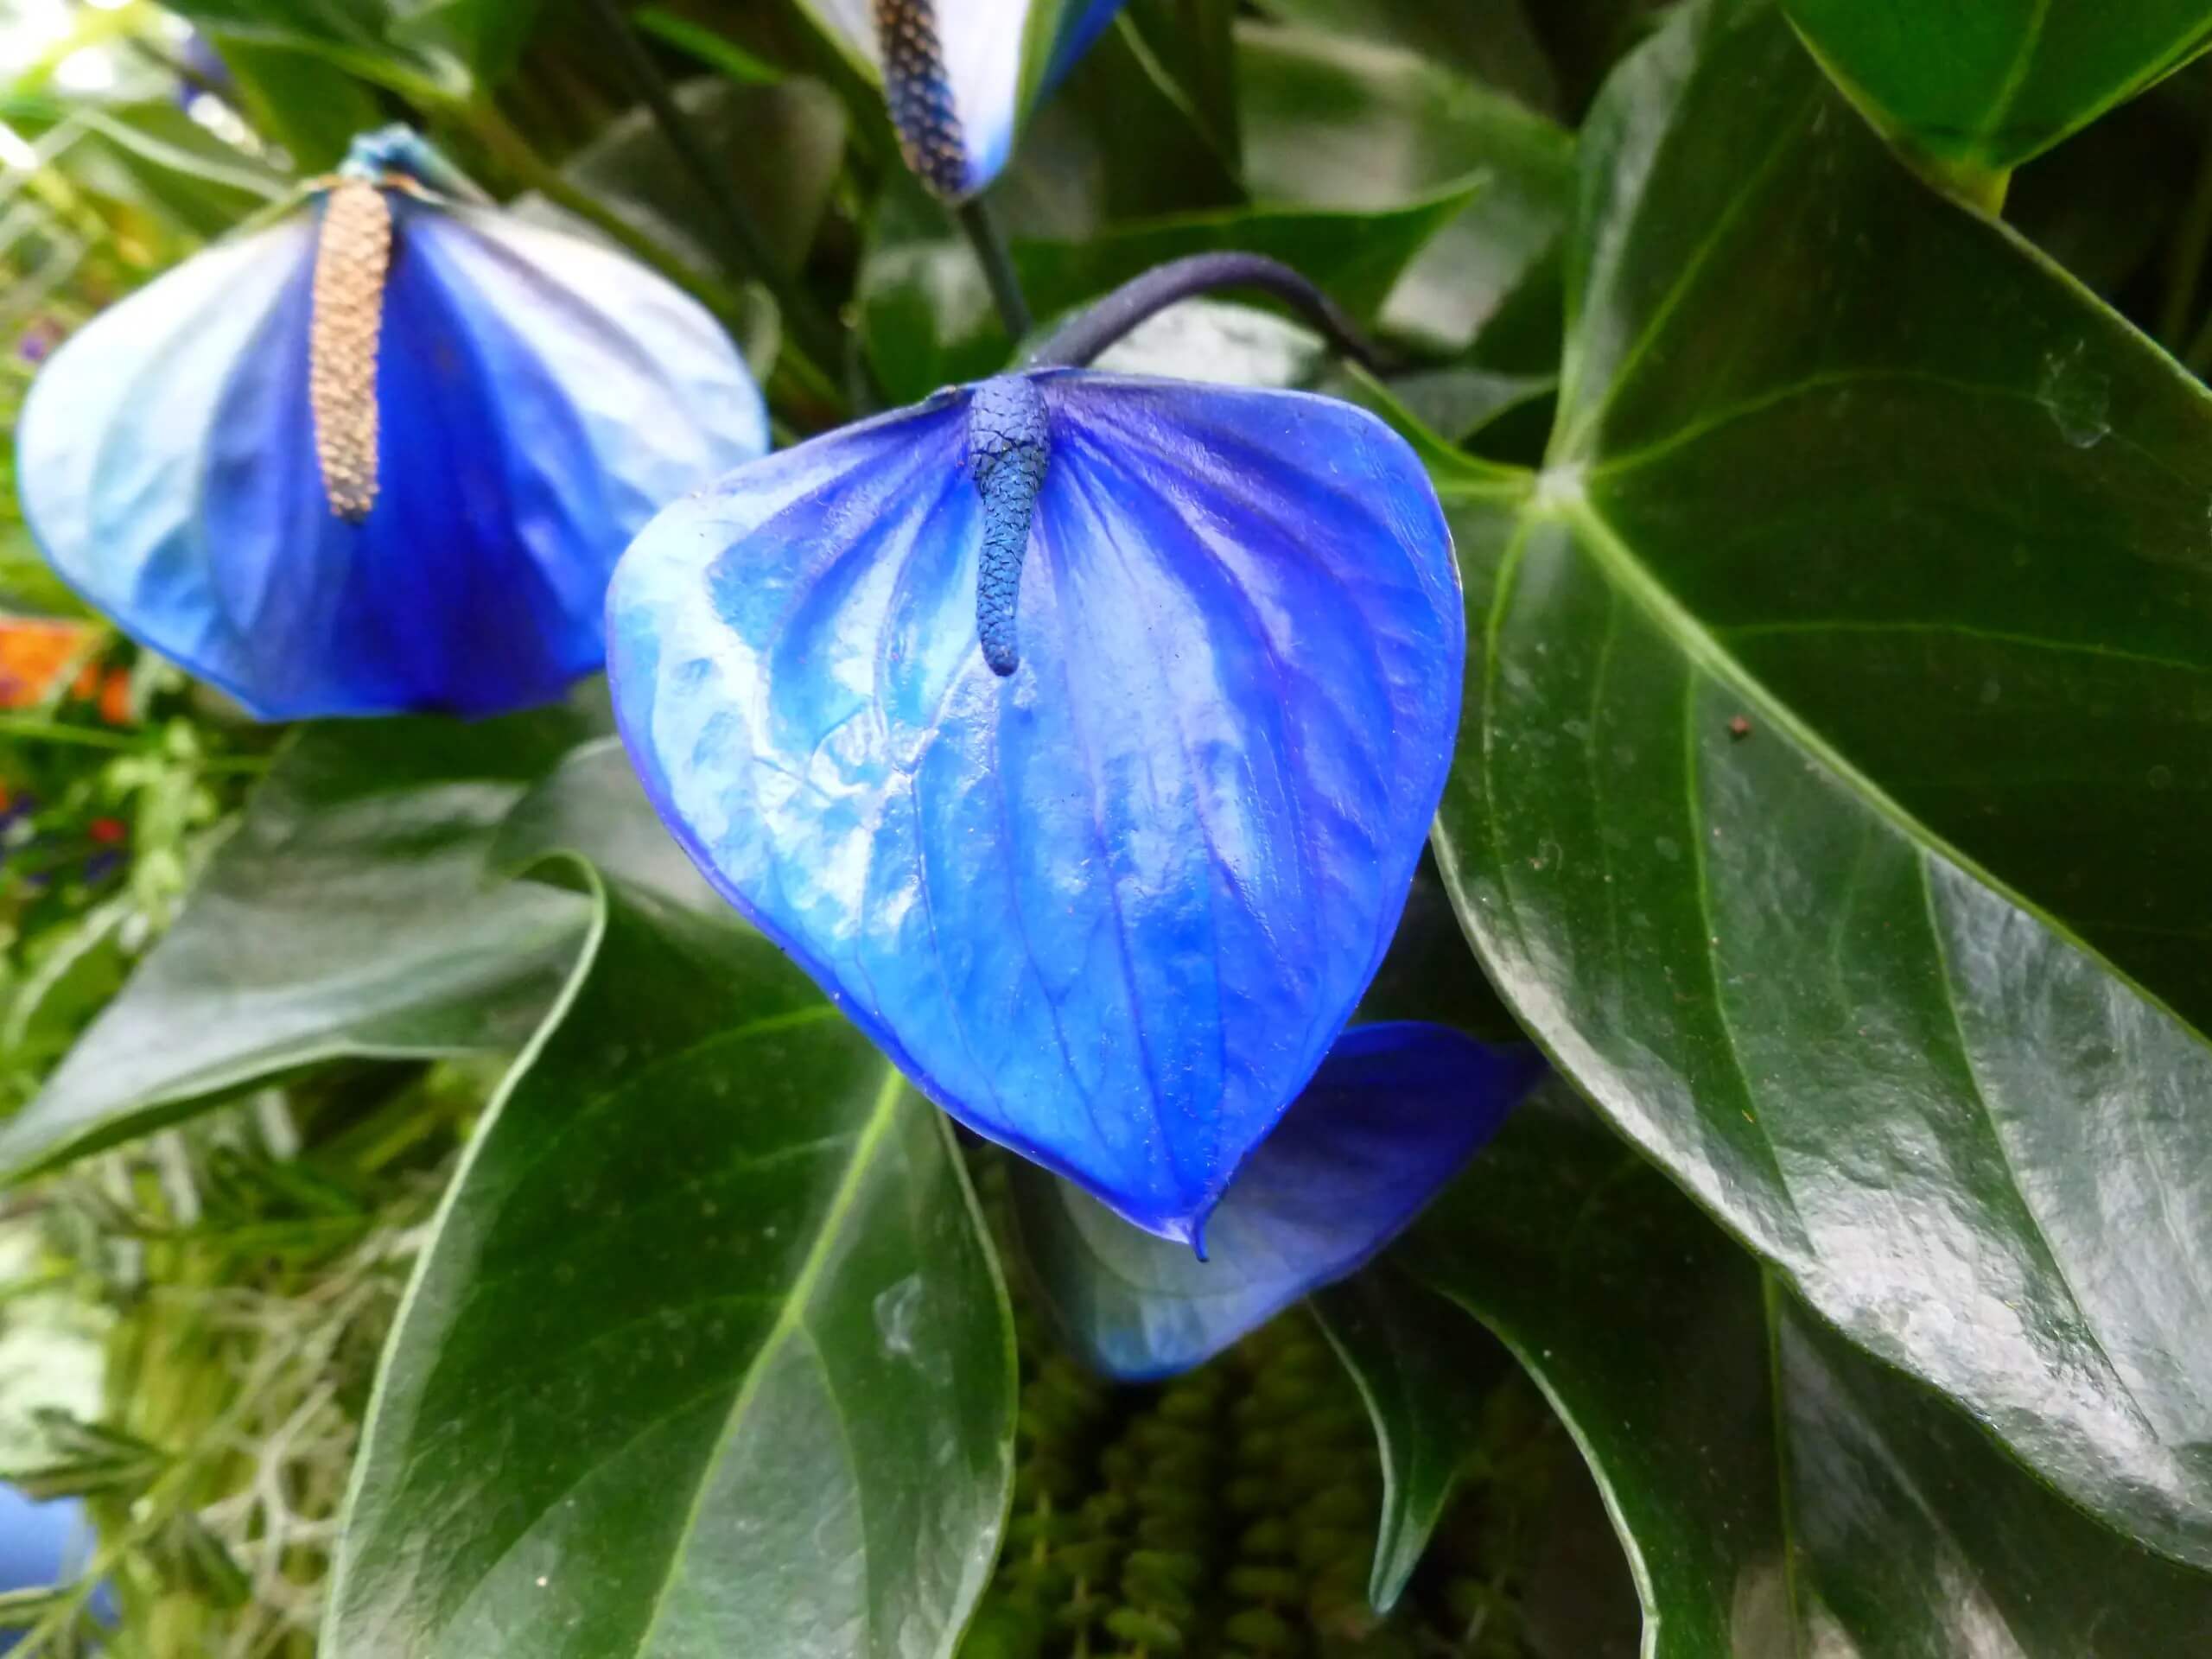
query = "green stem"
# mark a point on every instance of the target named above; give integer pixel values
(83, 737)
(998, 266)
(515, 154)
(809, 324)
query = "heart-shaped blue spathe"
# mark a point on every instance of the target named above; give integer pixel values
(1392, 1115)
(410, 502)
(1109, 896)
(959, 75)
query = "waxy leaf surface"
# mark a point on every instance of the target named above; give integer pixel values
(1986, 84)
(1837, 614)
(1392, 1114)
(1776, 1490)
(1330, 122)
(1111, 909)
(350, 913)
(708, 1355)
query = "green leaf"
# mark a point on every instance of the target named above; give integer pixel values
(349, 913)
(1777, 1492)
(1424, 1377)
(778, 147)
(310, 107)
(1835, 609)
(1331, 123)
(487, 35)
(1194, 44)
(1980, 88)
(1488, 41)
(709, 1353)
(363, 37)
(592, 804)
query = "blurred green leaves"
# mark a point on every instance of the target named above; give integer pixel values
(350, 913)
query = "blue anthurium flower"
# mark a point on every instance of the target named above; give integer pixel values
(382, 456)
(44, 1545)
(1080, 733)
(1393, 1113)
(958, 75)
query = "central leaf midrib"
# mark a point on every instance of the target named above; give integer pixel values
(788, 1322)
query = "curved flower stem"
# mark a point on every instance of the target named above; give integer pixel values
(517, 154)
(1084, 336)
(811, 325)
(983, 232)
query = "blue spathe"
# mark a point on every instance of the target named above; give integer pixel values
(1111, 906)
(1391, 1116)
(537, 398)
(959, 75)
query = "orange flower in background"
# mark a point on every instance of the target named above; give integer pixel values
(37, 651)
(34, 654)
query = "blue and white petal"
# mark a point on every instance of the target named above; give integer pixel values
(535, 399)
(1392, 1115)
(1111, 908)
(953, 71)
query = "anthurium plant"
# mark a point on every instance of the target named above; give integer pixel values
(1175, 824)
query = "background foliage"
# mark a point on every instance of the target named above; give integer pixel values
(1814, 391)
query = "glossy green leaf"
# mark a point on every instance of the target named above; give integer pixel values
(1834, 609)
(364, 37)
(778, 148)
(1334, 124)
(1424, 1377)
(1121, 139)
(708, 1354)
(1194, 45)
(312, 108)
(1777, 1492)
(1488, 41)
(1982, 86)
(350, 913)
(591, 805)
(487, 35)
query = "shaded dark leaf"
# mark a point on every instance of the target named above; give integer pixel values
(1776, 1490)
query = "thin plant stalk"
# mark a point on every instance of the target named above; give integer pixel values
(983, 235)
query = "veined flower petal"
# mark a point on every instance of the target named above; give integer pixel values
(535, 399)
(1393, 1113)
(1111, 909)
(955, 73)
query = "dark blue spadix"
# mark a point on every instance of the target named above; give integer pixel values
(958, 75)
(1079, 734)
(1009, 446)
(382, 456)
